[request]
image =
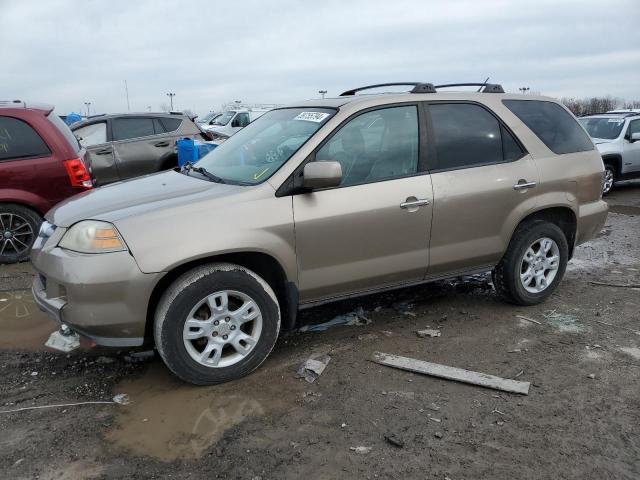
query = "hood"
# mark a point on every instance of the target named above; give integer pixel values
(598, 141)
(605, 146)
(131, 197)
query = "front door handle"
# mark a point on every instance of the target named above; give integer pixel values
(409, 203)
(104, 151)
(161, 144)
(523, 185)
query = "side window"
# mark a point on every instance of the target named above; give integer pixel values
(377, 145)
(170, 124)
(158, 127)
(124, 128)
(92, 134)
(19, 140)
(634, 127)
(241, 120)
(467, 135)
(551, 123)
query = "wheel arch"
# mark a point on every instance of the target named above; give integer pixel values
(614, 160)
(263, 264)
(562, 216)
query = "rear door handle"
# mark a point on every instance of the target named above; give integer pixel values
(523, 185)
(414, 203)
(161, 144)
(104, 151)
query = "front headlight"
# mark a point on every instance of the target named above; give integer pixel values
(92, 236)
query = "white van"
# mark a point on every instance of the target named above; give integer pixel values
(234, 119)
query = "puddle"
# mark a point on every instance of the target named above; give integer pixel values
(168, 419)
(624, 209)
(22, 325)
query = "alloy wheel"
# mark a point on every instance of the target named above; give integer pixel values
(16, 234)
(222, 328)
(607, 183)
(539, 265)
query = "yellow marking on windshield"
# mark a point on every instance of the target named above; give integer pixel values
(256, 176)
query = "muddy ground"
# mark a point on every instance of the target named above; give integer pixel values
(580, 420)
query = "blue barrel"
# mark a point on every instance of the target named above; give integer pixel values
(187, 151)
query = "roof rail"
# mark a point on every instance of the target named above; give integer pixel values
(488, 87)
(418, 87)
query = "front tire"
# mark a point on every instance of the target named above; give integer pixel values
(216, 323)
(533, 265)
(18, 230)
(609, 178)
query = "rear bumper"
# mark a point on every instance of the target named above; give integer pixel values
(103, 297)
(591, 218)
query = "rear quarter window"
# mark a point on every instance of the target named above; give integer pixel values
(19, 140)
(552, 124)
(170, 124)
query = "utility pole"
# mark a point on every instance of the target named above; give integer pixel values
(171, 95)
(126, 91)
(524, 89)
(323, 93)
(88, 104)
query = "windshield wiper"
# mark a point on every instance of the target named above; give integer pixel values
(202, 171)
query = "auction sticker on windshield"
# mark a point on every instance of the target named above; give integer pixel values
(316, 117)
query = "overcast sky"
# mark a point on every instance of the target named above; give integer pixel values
(68, 52)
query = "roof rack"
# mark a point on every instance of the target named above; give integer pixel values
(486, 87)
(420, 87)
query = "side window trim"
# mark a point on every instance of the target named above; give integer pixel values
(312, 156)
(107, 133)
(431, 144)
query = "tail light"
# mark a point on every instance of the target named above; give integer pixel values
(78, 173)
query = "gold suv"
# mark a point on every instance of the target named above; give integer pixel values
(319, 201)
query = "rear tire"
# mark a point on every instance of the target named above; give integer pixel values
(216, 323)
(19, 228)
(528, 274)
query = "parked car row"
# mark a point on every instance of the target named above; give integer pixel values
(320, 201)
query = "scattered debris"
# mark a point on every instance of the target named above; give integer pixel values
(438, 434)
(633, 351)
(394, 440)
(121, 399)
(367, 336)
(519, 374)
(361, 450)
(34, 374)
(451, 373)
(357, 317)
(591, 375)
(386, 333)
(499, 423)
(437, 420)
(564, 322)
(344, 425)
(495, 410)
(515, 350)
(618, 326)
(313, 368)
(138, 357)
(428, 332)
(522, 317)
(105, 360)
(617, 285)
(433, 407)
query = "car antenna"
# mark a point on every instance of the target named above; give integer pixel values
(485, 82)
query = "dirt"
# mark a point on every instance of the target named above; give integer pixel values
(580, 419)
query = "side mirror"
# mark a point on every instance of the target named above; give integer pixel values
(635, 137)
(321, 175)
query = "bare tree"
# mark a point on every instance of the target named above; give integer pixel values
(164, 107)
(589, 106)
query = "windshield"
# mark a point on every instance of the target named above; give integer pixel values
(224, 118)
(207, 118)
(254, 153)
(603, 127)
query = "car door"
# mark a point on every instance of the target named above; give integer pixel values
(102, 160)
(139, 145)
(482, 179)
(631, 150)
(373, 230)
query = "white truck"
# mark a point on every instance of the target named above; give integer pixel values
(235, 117)
(617, 136)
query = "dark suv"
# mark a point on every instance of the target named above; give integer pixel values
(122, 146)
(41, 164)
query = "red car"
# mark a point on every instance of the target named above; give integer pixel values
(41, 163)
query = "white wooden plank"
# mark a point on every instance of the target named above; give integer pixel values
(451, 373)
